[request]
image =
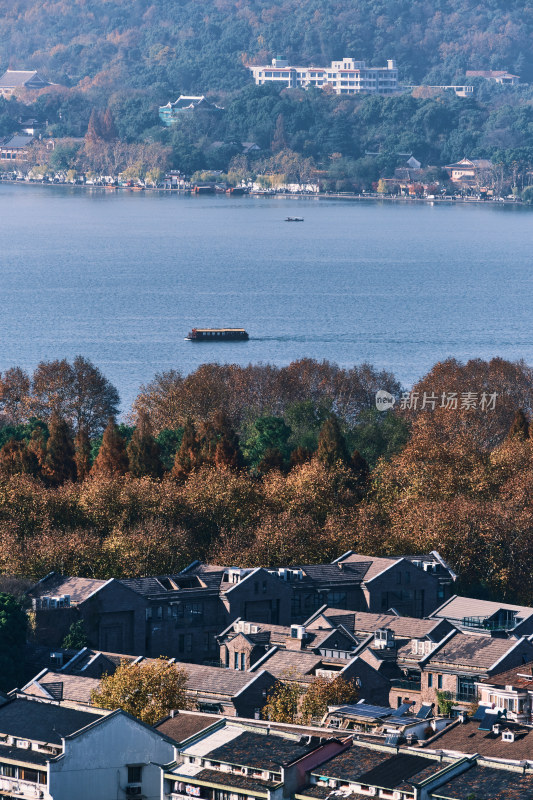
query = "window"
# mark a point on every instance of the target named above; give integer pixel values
(398, 577)
(188, 642)
(439, 681)
(181, 642)
(235, 660)
(135, 774)
(264, 587)
(256, 587)
(243, 661)
(337, 599)
(430, 680)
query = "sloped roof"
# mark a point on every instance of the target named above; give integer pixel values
(283, 661)
(214, 680)
(458, 608)
(79, 589)
(471, 652)
(261, 751)
(16, 77)
(519, 677)
(19, 140)
(59, 686)
(467, 738)
(44, 722)
(487, 783)
(185, 724)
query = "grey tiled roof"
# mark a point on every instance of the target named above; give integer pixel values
(184, 724)
(44, 722)
(19, 140)
(261, 751)
(469, 739)
(284, 661)
(473, 652)
(486, 783)
(79, 589)
(144, 586)
(16, 77)
(239, 781)
(67, 687)
(458, 608)
(214, 680)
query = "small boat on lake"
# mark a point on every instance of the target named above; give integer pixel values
(294, 219)
(217, 335)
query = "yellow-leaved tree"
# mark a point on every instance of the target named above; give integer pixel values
(148, 690)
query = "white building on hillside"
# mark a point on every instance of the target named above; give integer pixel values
(344, 77)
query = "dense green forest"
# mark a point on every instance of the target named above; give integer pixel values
(130, 56)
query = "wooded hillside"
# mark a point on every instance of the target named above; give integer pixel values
(197, 46)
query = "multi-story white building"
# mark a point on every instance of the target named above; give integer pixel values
(345, 77)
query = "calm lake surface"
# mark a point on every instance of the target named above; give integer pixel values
(122, 277)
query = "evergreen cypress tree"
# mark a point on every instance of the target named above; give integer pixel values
(359, 468)
(519, 426)
(331, 443)
(60, 464)
(188, 456)
(112, 458)
(227, 451)
(82, 446)
(143, 450)
(37, 448)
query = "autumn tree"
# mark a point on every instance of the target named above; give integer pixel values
(14, 395)
(148, 690)
(17, 459)
(112, 458)
(272, 460)
(82, 447)
(37, 446)
(519, 427)
(77, 392)
(220, 445)
(188, 457)
(60, 463)
(359, 468)
(283, 700)
(143, 450)
(331, 443)
(324, 692)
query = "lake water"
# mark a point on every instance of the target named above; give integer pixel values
(122, 277)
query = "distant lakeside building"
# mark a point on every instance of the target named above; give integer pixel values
(344, 77)
(497, 75)
(17, 79)
(169, 113)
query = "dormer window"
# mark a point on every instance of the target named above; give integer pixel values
(508, 736)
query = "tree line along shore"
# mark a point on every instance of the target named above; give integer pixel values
(267, 466)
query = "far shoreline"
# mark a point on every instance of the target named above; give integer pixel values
(348, 196)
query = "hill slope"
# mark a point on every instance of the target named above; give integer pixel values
(200, 46)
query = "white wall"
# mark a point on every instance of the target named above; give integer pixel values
(94, 764)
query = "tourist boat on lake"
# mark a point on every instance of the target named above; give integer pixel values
(294, 219)
(217, 335)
